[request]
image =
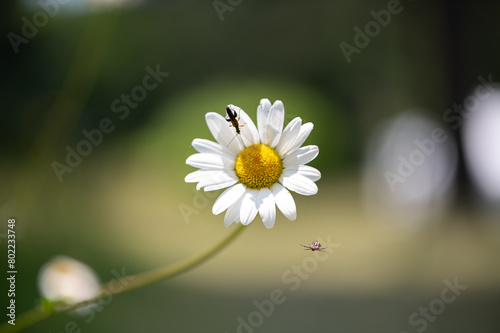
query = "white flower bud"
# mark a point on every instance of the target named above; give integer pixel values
(67, 280)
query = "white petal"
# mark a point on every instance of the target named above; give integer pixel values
(301, 156)
(198, 175)
(218, 186)
(309, 172)
(284, 201)
(210, 177)
(216, 123)
(228, 198)
(249, 206)
(275, 123)
(305, 130)
(207, 146)
(262, 118)
(303, 170)
(210, 161)
(233, 213)
(194, 177)
(289, 136)
(249, 131)
(267, 207)
(299, 184)
(223, 133)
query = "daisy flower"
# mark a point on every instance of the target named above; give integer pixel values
(258, 167)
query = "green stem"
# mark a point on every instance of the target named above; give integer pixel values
(35, 315)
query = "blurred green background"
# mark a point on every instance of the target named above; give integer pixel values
(119, 208)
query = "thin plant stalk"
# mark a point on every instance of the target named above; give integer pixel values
(36, 315)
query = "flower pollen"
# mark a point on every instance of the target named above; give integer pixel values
(258, 166)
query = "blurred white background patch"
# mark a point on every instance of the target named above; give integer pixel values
(481, 141)
(409, 171)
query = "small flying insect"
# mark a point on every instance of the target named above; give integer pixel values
(315, 246)
(233, 117)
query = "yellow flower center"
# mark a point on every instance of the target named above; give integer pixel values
(258, 166)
